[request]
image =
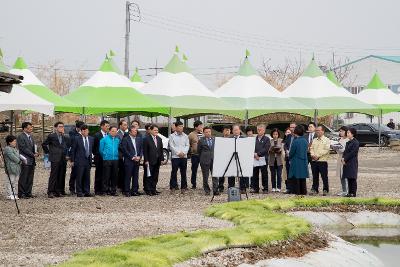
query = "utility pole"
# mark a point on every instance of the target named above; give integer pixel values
(132, 13)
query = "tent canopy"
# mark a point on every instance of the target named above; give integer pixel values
(107, 91)
(378, 94)
(33, 84)
(136, 80)
(21, 98)
(316, 91)
(184, 95)
(247, 90)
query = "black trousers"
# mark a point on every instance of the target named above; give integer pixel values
(98, 175)
(121, 174)
(25, 181)
(317, 168)
(300, 186)
(82, 172)
(145, 180)
(276, 176)
(255, 180)
(195, 161)
(110, 173)
(131, 180)
(153, 179)
(57, 177)
(72, 179)
(352, 186)
(290, 183)
(181, 164)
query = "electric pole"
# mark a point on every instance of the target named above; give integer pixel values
(132, 13)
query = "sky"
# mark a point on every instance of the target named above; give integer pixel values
(213, 34)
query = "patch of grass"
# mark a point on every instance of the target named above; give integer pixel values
(257, 222)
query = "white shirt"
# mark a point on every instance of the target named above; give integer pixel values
(133, 139)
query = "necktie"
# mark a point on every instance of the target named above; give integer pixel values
(86, 143)
(30, 139)
(155, 140)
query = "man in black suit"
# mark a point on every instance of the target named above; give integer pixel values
(57, 146)
(205, 150)
(153, 156)
(132, 150)
(121, 133)
(145, 184)
(27, 148)
(310, 136)
(261, 156)
(72, 134)
(288, 143)
(81, 161)
(98, 160)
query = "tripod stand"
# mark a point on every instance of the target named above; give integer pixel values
(235, 155)
(9, 179)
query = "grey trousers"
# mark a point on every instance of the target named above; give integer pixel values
(14, 182)
(205, 170)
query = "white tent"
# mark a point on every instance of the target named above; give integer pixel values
(22, 99)
(248, 91)
(316, 91)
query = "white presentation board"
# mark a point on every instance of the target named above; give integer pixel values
(223, 150)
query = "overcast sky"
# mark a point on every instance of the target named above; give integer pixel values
(212, 33)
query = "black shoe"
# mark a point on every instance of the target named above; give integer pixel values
(148, 193)
(207, 193)
(221, 189)
(30, 196)
(88, 195)
(72, 193)
(154, 193)
(350, 195)
(265, 191)
(50, 195)
(136, 194)
(128, 194)
(254, 191)
(114, 194)
(63, 193)
(325, 193)
(193, 187)
(79, 195)
(216, 193)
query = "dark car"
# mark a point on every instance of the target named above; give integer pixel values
(368, 133)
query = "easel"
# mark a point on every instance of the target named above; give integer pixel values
(235, 155)
(9, 179)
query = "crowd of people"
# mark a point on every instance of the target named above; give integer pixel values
(119, 152)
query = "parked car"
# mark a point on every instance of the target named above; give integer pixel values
(165, 142)
(368, 133)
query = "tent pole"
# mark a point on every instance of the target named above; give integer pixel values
(315, 118)
(379, 127)
(15, 123)
(246, 118)
(42, 127)
(12, 121)
(169, 122)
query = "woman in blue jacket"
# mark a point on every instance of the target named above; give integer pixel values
(299, 161)
(350, 162)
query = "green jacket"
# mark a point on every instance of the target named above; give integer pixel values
(13, 162)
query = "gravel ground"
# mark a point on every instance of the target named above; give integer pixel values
(50, 230)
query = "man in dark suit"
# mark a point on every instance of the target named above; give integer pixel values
(153, 156)
(243, 181)
(98, 160)
(145, 184)
(27, 148)
(57, 146)
(310, 136)
(121, 133)
(205, 149)
(288, 143)
(132, 150)
(261, 155)
(72, 134)
(81, 160)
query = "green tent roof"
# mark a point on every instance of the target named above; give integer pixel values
(20, 64)
(312, 70)
(136, 77)
(246, 69)
(376, 83)
(332, 77)
(109, 66)
(176, 65)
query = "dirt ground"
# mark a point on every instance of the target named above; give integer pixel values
(50, 230)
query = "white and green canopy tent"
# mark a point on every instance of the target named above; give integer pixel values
(184, 95)
(33, 84)
(21, 99)
(107, 91)
(378, 94)
(248, 91)
(317, 92)
(136, 80)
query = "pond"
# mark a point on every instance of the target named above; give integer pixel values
(388, 251)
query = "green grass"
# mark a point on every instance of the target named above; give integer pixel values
(257, 222)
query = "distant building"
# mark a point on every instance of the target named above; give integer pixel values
(361, 72)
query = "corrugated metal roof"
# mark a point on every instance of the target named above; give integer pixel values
(395, 59)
